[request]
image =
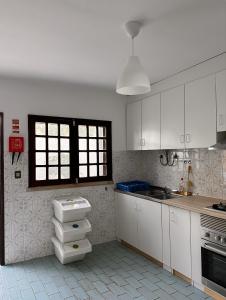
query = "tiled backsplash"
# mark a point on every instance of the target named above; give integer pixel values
(208, 171)
(28, 227)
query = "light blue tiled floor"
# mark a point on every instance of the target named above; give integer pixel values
(110, 272)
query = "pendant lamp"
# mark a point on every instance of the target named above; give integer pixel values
(133, 80)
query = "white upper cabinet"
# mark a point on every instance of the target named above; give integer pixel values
(151, 123)
(200, 113)
(221, 100)
(172, 118)
(134, 126)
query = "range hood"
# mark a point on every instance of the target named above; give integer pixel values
(221, 141)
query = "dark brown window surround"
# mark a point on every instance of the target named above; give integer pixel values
(73, 152)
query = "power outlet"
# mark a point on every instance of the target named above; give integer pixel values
(17, 174)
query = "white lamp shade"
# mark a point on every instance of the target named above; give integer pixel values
(133, 80)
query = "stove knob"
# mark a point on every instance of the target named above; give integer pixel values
(217, 238)
(207, 234)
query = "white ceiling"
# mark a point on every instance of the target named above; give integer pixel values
(82, 40)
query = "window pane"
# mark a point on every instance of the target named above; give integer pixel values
(102, 157)
(102, 131)
(64, 130)
(64, 173)
(53, 143)
(92, 131)
(82, 144)
(64, 158)
(102, 170)
(82, 171)
(53, 158)
(64, 144)
(82, 130)
(82, 157)
(40, 128)
(40, 143)
(40, 173)
(93, 171)
(92, 144)
(52, 129)
(53, 172)
(102, 145)
(93, 157)
(40, 158)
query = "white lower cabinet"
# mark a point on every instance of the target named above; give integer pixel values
(196, 250)
(169, 234)
(127, 219)
(180, 240)
(139, 224)
(166, 236)
(150, 228)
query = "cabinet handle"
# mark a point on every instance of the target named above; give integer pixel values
(172, 217)
(182, 138)
(221, 119)
(188, 138)
(142, 142)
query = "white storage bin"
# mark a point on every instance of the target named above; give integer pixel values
(71, 209)
(73, 251)
(71, 231)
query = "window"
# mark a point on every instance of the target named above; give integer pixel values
(65, 150)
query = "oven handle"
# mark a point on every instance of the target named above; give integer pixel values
(214, 249)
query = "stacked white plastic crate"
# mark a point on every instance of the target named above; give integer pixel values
(71, 227)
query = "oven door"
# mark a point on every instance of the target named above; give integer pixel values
(214, 267)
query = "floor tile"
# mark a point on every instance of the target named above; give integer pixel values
(100, 286)
(65, 292)
(41, 296)
(131, 291)
(166, 287)
(148, 294)
(27, 294)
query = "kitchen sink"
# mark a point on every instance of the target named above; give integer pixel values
(158, 193)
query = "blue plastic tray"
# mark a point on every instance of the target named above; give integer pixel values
(133, 186)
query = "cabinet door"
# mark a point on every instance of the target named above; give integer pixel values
(172, 118)
(151, 123)
(200, 113)
(196, 249)
(166, 235)
(127, 219)
(221, 100)
(134, 126)
(180, 235)
(150, 228)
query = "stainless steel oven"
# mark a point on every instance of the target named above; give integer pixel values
(213, 252)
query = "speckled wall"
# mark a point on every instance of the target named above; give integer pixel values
(28, 227)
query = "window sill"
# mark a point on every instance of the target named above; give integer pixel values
(69, 186)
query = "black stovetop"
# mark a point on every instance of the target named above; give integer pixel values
(220, 206)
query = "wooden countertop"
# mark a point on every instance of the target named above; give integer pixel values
(197, 204)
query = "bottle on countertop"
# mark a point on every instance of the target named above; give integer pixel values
(181, 186)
